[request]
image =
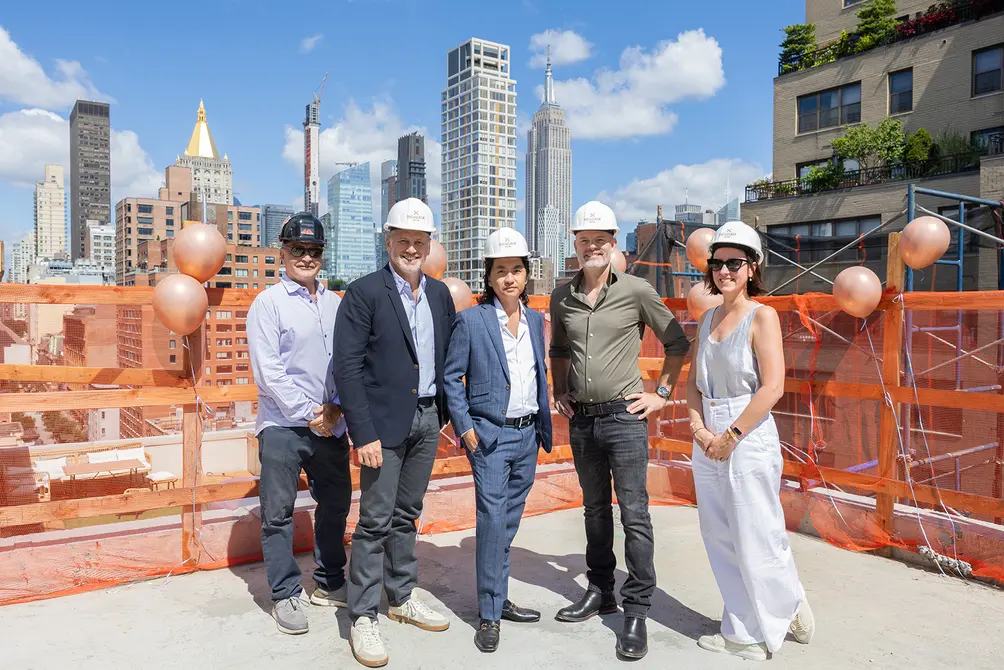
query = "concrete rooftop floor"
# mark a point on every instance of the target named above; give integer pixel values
(870, 612)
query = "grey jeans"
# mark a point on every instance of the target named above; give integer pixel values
(391, 497)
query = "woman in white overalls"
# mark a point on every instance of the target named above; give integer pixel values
(736, 378)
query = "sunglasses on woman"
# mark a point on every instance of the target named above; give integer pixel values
(733, 264)
(299, 251)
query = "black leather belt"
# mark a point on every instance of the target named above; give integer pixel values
(601, 408)
(427, 402)
(522, 422)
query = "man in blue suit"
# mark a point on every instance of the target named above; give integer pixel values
(502, 416)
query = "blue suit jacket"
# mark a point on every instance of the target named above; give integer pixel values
(375, 364)
(477, 353)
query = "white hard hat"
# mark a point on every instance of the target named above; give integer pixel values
(594, 216)
(410, 214)
(506, 243)
(737, 234)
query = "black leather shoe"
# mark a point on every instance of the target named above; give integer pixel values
(590, 605)
(487, 636)
(511, 612)
(633, 642)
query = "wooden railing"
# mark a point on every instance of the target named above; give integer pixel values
(158, 387)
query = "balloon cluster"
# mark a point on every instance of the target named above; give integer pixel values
(435, 266)
(180, 301)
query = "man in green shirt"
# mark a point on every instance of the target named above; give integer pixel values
(594, 352)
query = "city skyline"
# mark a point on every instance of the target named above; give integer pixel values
(366, 109)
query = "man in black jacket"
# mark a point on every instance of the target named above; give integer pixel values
(391, 335)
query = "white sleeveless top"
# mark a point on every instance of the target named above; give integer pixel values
(727, 369)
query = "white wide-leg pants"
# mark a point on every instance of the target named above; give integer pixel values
(742, 523)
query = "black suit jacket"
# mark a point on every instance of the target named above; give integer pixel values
(375, 364)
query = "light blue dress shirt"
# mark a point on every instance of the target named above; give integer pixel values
(290, 344)
(422, 332)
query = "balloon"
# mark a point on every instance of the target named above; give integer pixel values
(700, 300)
(462, 296)
(697, 248)
(180, 303)
(924, 240)
(857, 290)
(435, 263)
(618, 261)
(199, 251)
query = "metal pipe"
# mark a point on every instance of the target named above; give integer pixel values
(958, 476)
(862, 466)
(838, 252)
(975, 358)
(980, 389)
(800, 267)
(954, 196)
(950, 472)
(936, 329)
(931, 460)
(975, 231)
(949, 362)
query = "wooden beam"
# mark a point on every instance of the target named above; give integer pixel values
(141, 397)
(892, 353)
(71, 375)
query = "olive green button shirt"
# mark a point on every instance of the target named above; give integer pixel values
(603, 341)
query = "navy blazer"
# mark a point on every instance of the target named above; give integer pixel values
(375, 364)
(477, 353)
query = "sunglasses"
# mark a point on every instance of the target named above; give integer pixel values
(298, 251)
(733, 264)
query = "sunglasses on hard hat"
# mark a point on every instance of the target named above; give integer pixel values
(299, 251)
(733, 264)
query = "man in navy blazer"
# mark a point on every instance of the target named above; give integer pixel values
(391, 335)
(502, 416)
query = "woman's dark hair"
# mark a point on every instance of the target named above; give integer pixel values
(488, 296)
(754, 286)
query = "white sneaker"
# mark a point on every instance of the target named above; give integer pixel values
(803, 626)
(418, 614)
(718, 643)
(366, 644)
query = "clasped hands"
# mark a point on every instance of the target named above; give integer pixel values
(715, 447)
(325, 419)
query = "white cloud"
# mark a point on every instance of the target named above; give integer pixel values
(24, 81)
(633, 100)
(567, 47)
(30, 138)
(702, 184)
(307, 44)
(366, 135)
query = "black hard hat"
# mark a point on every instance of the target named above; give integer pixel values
(303, 227)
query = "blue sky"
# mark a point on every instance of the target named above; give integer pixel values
(660, 98)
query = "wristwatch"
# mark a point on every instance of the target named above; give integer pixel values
(664, 392)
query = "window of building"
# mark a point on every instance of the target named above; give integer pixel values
(144, 220)
(987, 67)
(172, 358)
(244, 216)
(829, 109)
(144, 231)
(901, 91)
(269, 273)
(981, 138)
(241, 285)
(223, 284)
(146, 209)
(254, 260)
(171, 344)
(842, 229)
(242, 259)
(241, 272)
(225, 314)
(169, 222)
(169, 211)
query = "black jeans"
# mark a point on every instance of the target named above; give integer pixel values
(617, 445)
(390, 501)
(283, 452)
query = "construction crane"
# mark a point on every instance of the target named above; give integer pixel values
(320, 90)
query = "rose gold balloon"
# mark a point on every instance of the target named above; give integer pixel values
(180, 302)
(199, 251)
(697, 248)
(924, 240)
(700, 300)
(618, 261)
(461, 292)
(435, 263)
(858, 291)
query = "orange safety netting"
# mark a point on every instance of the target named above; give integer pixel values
(62, 528)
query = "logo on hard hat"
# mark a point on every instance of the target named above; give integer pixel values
(508, 243)
(729, 232)
(306, 230)
(416, 216)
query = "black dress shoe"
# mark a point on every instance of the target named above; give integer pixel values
(633, 642)
(487, 636)
(590, 605)
(511, 612)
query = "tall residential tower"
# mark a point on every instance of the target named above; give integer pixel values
(549, 179)
(90, 171)
(350, 204)
(50, 214)
(479, 153)
(411, 167)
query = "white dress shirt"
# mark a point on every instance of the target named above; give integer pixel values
(522, 366)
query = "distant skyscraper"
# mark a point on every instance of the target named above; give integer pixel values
(549, 178)
(272, 217)
(350, 205)
(690, 213)
(212, 178)
(478, 153)
(312, 156)
(388, 198)
(50, 214)
(90, 171)
(411, 168)
(22, 255)
(328, 255)
(100, 247)
(731, 211)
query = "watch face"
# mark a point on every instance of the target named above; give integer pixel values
(663, 392)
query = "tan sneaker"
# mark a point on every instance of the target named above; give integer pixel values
(366, 644)
(717, 643)
(418, 614)
(803, 626)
